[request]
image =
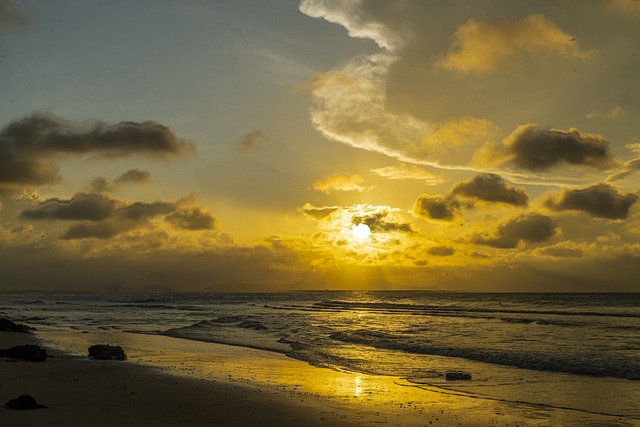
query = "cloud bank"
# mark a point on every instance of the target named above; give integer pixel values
(28, 145)
(102, 217)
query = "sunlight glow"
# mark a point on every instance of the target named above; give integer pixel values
(361, 231)
(357, 389)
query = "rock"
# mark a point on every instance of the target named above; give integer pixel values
(458, 376)
(107, 352)
(7, 325)
(23, 402)
(30, 352)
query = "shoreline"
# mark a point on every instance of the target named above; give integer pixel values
(181, 382)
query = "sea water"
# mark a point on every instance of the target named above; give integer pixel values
(579, 352)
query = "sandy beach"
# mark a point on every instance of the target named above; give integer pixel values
(169, 381)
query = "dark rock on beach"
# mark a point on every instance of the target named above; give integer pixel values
(23, 402)
(107, 352)
(7, 325)
(30, 352)
(458, 376)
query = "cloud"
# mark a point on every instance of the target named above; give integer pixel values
(316, 212)
(441, 251)
(27, 145)
(143, 210)
(528, 227)
(105, 230)
(600, 200)
(614, 114)
(351, 104)
(634, 147)
(436, 207)
(102, 217)
(351, 110)
(101, 185)
(27, 194)
(339, 182)
(482, 47)
(381, 222)
(490, 187)
(360, 22)
(562, 250)
(535, 149)
(132, 176)
(409, 172)
(248, 142)
(626, 169)
(192, 219)
(82, 206)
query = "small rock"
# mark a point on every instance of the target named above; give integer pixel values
(7, 325)
(107, 352)
(23, 402)
(458, 376)
(29, 352)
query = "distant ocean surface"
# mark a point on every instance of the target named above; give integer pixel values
(575, 351)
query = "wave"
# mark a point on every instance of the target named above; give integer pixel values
(532, 361)
(231, 330)
(158, 306)
(543, 322)
(455, 310)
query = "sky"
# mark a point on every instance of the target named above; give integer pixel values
(262, 145)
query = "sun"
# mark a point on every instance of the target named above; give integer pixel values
(361, 231)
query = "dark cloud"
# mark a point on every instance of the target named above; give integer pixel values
(81, 207)
(103, 217)
(532, 148)
(436, 207)
(248, 142)
(104, 230)
(380, 222)
(528, 227)
(316, 212)
(490, 187)
(441, 251)
(15, 171)
(101, 185)
(27, 145)
(133, 176)
(600, 200)
(192, 219)
(138, 211)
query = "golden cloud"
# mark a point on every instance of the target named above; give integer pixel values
(482, 47)
(339, 182)
(406, 171)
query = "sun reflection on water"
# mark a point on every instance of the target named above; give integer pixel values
(357, 389)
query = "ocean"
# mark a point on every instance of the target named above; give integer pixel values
(578, 352)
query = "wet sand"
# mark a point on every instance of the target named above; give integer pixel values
(169, 381)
